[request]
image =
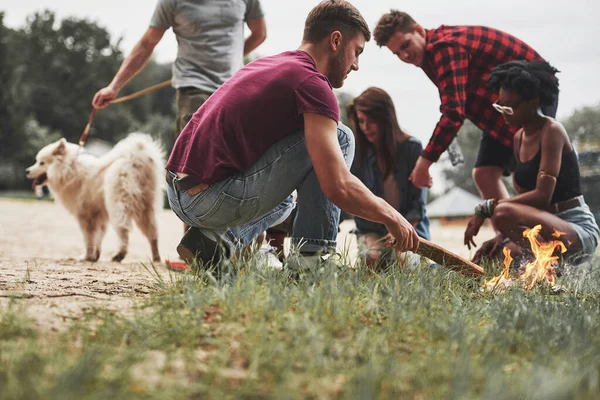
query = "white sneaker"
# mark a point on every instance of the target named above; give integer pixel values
(272, 260)
(410, 260)
(297, 262)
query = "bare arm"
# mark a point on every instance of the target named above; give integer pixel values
(552, 144)
(344, 189)
(258, 34)
(130, 67)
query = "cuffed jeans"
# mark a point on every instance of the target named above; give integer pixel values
(236, 210)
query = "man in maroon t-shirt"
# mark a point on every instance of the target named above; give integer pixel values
(272, 129)
(459, 61)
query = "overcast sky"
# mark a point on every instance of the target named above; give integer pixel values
(564, 32)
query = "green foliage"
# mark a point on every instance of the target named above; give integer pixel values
(344, 98)
(583, 127)
(461, 175)
(335, 333)
(49, 73)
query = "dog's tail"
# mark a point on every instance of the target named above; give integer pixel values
(142, 152)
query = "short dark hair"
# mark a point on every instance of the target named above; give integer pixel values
(334, 15)
(530, 79)
(391, 23)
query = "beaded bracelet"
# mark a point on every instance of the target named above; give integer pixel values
(486, 209)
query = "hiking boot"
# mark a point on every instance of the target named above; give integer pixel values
(195, 246)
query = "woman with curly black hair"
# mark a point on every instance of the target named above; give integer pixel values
(546, 176)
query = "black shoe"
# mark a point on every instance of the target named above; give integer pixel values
(195, 246)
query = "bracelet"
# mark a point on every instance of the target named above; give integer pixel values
(486, 209)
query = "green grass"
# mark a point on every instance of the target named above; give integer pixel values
(337, 333)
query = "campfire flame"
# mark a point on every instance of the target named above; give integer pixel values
(503, 280)
(542, 268)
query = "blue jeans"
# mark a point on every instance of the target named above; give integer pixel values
(236, 210)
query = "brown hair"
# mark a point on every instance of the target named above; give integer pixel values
(391, 23)
(334, 15)
(379, 107)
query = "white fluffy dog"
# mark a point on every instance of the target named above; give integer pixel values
(123, 185)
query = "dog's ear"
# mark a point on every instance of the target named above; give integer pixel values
(60, 147)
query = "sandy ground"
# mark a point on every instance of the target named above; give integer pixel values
(40, 244)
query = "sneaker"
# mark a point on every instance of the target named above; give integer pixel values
(409, 260)
(272, 260)
(312, 262)
(195, 246)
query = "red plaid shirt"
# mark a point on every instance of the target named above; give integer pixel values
(459, 61)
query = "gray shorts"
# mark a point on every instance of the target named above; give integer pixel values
(583, 222)
(189, 100)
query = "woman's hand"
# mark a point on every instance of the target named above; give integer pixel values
(489, 248)
(472, 230)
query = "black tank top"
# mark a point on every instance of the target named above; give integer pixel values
(568, 184)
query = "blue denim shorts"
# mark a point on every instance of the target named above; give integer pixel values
(583, 222)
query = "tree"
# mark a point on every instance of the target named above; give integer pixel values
(583, 126)
(6, 79)
(461, 175)
(49, 72)
(467, 141)
(344, 98)
(64, 64)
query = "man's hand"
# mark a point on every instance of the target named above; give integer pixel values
(387, 240)
(405, 236)
(131, 65)
(104, 96)
(420, 175)
(472, 230)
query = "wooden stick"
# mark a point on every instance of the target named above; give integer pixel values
(86, 131)
(448, 259)
(141, 92)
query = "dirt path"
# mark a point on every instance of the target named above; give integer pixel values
(39, 247)
(40, 243)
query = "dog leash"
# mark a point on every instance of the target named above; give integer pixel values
(139, 93)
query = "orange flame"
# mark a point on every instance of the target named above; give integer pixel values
(557, 233)
(542, 268)
(504, 278)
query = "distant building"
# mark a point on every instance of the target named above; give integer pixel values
(457, 205)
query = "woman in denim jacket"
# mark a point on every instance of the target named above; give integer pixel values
(385, 157)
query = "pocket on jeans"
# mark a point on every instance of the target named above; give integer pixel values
(229, 211)
(189, 203)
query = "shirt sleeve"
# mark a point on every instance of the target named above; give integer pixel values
(315, 96)
(253, 11)
(163, 14)
(451, 65)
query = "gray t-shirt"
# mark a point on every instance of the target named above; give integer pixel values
(210, 37)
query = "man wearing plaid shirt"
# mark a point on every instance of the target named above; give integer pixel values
(459, 60)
